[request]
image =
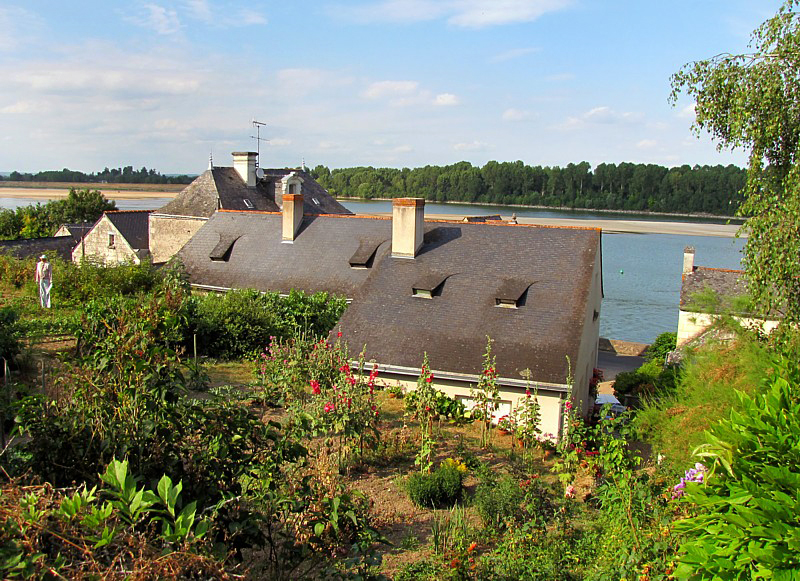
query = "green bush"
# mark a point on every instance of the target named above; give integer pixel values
(499, 502)
(241, 322)
(441, 488)
(745, 524)
(9, 334)
(663, 344)
(77, 283)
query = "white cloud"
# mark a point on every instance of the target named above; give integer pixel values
(18, 107)
(688, 112)
(199, 9)
(403, 149)
(162, 20)
(384, 89)
(446, 100)
(516, 115)
(471, 146)
(605, 116)
(462, 13)
(647, 144)
(248, 17)
(513, 54)
(17, 27)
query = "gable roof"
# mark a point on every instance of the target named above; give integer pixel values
(133, 225)
(469, 264)
(724, 282)
(223, 188)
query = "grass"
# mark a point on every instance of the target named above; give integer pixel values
(675, 424)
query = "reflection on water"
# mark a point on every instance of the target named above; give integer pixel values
(641, 272)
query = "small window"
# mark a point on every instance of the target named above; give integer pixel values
(511, 293)
(315, 200)
(429, 285)
(292, 189)
(248, 203)
(111, 240)
(222, 251)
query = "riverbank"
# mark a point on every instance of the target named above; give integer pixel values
(610, 225)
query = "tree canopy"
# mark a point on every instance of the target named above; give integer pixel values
(625, 186)
(752, 101)
(35, 221)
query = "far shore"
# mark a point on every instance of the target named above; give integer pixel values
(608, 226)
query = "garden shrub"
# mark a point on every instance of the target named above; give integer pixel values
(661, 347)
(440, 488)
(9, 335)
(241, 322)
(744, 516)
(499, 502)
(78, 283)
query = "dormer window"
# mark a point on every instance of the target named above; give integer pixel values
(222, 251)
(365, 255)
(429, 285)
(248, 204)
(292, 189)
(511, 293)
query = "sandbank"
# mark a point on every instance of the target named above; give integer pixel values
(608, 226)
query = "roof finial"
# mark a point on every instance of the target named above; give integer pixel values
(210, 160)
(303, 164)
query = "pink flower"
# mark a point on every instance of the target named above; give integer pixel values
(339, 334)
(329, 407)
(568, 405)
(569, 492)
(429, 379)
(315, 387)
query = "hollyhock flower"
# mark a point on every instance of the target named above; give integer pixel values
(569, 492)
(329, 407)
(339, 334)
(315, 387)
(429, 379)
(568, 405)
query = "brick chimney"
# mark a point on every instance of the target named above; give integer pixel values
(688, 260)
(292, 216)
(408, 225)
(244, 162)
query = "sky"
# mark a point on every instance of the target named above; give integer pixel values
(342, 83)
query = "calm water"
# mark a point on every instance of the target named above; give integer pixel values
(641, 272)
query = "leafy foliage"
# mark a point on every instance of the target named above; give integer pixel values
(440, 488)
(751, 101)
(39, 220)
(744, 520)
(9, 334)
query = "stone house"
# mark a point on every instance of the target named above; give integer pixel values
(725, 286)
(244, 187)
(118, 237)
(421, 286)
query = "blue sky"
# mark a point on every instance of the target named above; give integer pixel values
(400, 83)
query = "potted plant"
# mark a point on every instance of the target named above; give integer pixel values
(505, 425)
(395, 391)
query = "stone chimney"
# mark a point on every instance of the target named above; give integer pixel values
(292, 216)
(244, 162)
(408, 225)
(688, 260)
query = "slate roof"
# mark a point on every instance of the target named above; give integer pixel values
(481, 263)
(223, 188)
(726, 283)
(133, 225)
(318, 259)
(77, 230)
(51, 246)
(470, 264)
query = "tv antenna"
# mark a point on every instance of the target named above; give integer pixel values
(258, 125)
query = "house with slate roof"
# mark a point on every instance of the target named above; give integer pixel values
(726, 285)
(243, 187)
(118, 237)
(421, 286)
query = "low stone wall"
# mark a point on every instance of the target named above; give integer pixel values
(622, 347)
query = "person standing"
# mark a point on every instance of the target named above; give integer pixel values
(44, 278)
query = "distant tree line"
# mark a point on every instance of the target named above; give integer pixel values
(624, 186)
(38, 220)
(125, 175)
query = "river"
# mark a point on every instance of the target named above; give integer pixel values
(641, 272)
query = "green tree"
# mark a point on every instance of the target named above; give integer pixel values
(752, 101)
